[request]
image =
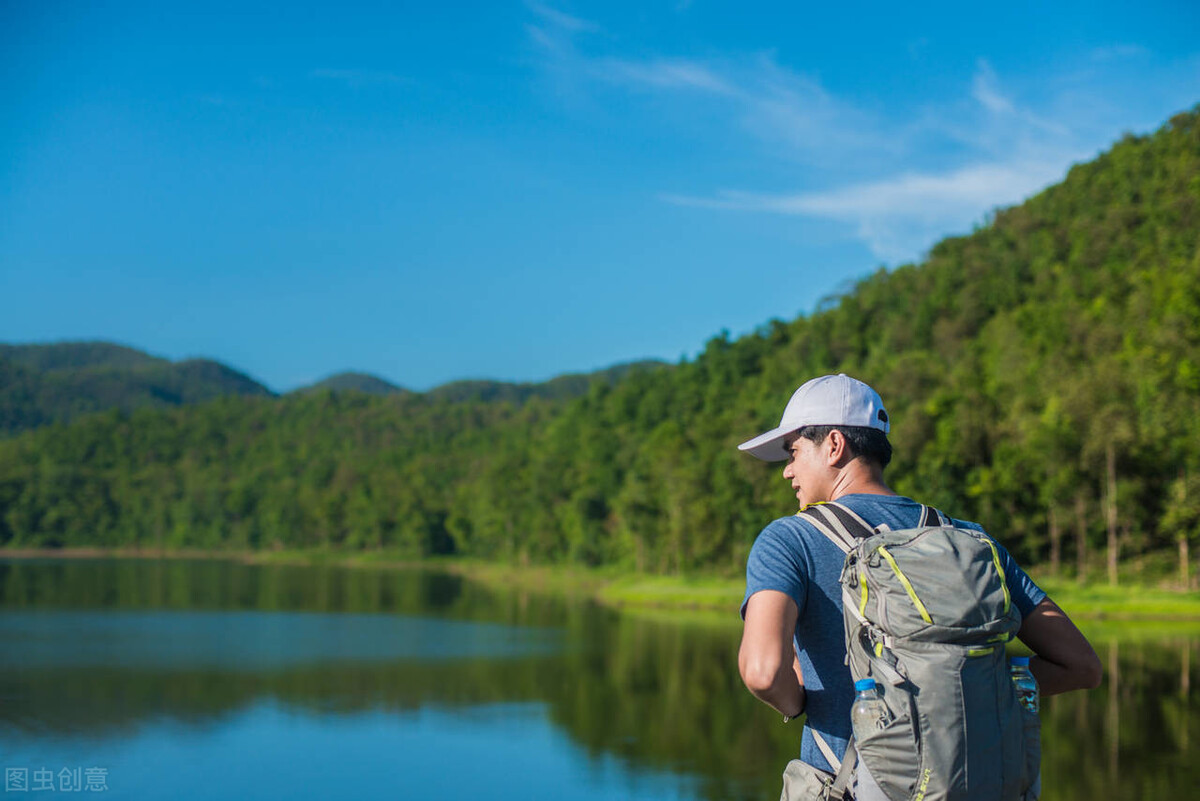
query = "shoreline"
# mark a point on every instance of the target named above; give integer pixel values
(707, 593)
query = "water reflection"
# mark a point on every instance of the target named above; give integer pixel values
(658, 696)
(250, 641)
(1131, 738)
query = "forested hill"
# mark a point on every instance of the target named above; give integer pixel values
(55, 383)
(58, 382)
(1042, 374)
(77, 355)
(561, 387)
(354, 382)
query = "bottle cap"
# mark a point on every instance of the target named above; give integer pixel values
(1020, 661)
(864, 684)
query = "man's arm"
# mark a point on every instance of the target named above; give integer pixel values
(767, 658)
(1064, 659)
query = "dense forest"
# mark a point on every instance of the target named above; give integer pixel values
(1042, 375)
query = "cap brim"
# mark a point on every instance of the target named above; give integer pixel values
(769, 446)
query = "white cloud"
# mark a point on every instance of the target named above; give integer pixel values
(1011, 153)
(984, 88)
(664, 74)
(899, 217)
(559, 19)
(998, 145)
(787, 110)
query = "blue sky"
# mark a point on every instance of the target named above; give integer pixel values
(516, 190)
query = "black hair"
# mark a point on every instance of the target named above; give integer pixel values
(868, 443)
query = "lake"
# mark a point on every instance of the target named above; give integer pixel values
(209, 678)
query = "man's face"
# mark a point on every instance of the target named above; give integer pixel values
(806, 470)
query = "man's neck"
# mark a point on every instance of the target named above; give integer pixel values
(859, 479)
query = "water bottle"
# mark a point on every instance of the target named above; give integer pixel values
(868, 713)
(1024, 682)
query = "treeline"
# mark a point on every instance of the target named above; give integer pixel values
(1042, 373)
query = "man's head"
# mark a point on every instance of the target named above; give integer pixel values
(833, 429)
(837, 401)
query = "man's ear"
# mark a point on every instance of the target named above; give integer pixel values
(837, 448)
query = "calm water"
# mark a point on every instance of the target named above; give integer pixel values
(203, 679)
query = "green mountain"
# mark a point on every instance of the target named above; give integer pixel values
(56, 383)
(571, 385)
(1042, 375)
(354, 382)
(75, 355)
(561, 387)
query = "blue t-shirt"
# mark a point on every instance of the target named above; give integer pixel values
(793, 557)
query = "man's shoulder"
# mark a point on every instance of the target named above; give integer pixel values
(895, 511)
(791, 526)
(792, 533)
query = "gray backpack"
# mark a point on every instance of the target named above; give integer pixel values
(927, 613)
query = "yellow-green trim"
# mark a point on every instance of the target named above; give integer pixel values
(908, 587)
(980, 651)
(878, 649)
(862, 604)
(1000, 570)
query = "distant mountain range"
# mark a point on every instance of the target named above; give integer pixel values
(41, 384)
(55, 383)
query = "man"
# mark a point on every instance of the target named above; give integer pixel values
(833, 435)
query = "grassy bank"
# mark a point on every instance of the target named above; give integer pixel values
(720, 595)
(1095, 601)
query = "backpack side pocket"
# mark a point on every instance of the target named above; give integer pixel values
(892, 757)
(803, 782)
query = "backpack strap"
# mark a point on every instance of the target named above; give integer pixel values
(933, 517)
(850, 520)
(842, 526)
(826, 750)
(846, 530)
(843, 767)
(841, 782)
(829, 525)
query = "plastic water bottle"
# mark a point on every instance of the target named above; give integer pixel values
(868, 713)
(1024, 682)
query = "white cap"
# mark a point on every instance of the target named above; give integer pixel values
(831, 400)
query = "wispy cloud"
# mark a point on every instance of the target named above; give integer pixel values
(1004, 147)
(985, 89)
(768, 101)
(664, 73)
(1011, 153)
(562, 20)
(554, 35)
(787, 110)
(897, 216)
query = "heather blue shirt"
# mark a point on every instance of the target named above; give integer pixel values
(791, 556)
